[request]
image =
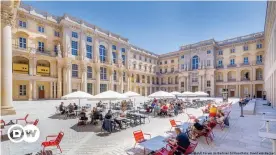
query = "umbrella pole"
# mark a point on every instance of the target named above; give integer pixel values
(79, 102)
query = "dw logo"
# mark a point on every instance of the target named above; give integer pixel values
(17, 133)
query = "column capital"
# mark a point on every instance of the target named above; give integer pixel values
(7, 16)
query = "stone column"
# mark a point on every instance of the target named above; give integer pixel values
(110, 79)
(84, 78)
(30, 92)
(212, 85)
(55, 89)
(237, 91)
(146, 90)
(69, 77)
(203, 83)
(65, 80)
(254, 90)
(199, 83)
(109, 54)
(96, 51)
(82, 45)
(59, 82)
(188, 85)
(34, 90)
(121, 82)
(98, 80)
(51, 89)
(6, 65)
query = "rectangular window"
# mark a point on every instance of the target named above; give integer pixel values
(232, 61)
(103, 88)
(89, 39)
(182, 66)
(140, 58)
(220, 52)
(149, 69)
(56, 33)
(160, 63)
(150, 60)
(208, 83)
(134, 66)
(56, 49)
(75, 71)
(208, 52)
(89, 51)
(22, 24)
(114, 47)
(145, 68)
(114, 57)
(140, 67)
(208, 62)
(115, 87)
(182, 56)
(22, 90)
(41, 46)
(124, 59)
(22, 43)
(172, 69)
(89, 72)
(134, 56)
(124, 76)
(41, 29)
(259, 45)
(75, 35)
(245, 60)
(259, 58)
(89, 88)
(166, 70)
(145, 59)
(114, 75)
(103, 73)
(232, 50)
(220, 63)
(182, 84)
(172, 61)
(245, 48)
(123, 50)
(160, 70)
(165, 62)
(74, 45)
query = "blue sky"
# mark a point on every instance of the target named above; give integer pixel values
(162, 27)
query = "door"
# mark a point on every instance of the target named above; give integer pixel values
(208, 92)
(232, 93)
(41, 92)
(259, 94)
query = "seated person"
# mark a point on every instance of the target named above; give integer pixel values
(75, 106)
(181, 140)
(70, 108)
(62, 108)
(96, 115)
(198, 129)
(220, 118)
(212, 122)
(164, 109)
(152, 106)
(83, 117)
(213, 111)
(157, 109)
(109, 116)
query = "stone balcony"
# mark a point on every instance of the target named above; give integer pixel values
(231, 65)
(245, 64)
(220, 67)
(245, 79)
(219, 80)
(231, 80)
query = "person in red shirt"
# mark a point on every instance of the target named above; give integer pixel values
(164, 109)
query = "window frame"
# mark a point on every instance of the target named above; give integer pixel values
(89, 72)
(75, 35)
(22, 90)
(75, 70)
(24, 44)
(74, 50)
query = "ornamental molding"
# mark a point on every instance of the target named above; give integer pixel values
(7, 16)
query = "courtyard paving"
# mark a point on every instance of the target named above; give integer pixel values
(241, 136)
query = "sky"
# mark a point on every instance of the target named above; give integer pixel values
(163, 27)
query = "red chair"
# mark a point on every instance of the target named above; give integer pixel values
(191, 117)
(139, 136)
(2, 123)
(54, 142)
(170, 149)
(23, 119)
(34, 123)
(174, 124)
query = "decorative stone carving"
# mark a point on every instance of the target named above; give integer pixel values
(59, 50)
(7, 16)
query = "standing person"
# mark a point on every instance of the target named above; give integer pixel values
(181, 140)
(75, 106)
(83, 117)
(109, 116)
(62, 108)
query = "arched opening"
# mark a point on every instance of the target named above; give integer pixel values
(102, 51)
(153, 80)
(231, 75)
(195, 61)
(137, 78)
(20, 65)
(259, 74)
(245, 75)
(219, 77)
(43, 68)
(176, 80)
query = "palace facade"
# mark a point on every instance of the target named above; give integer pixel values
(46, 57)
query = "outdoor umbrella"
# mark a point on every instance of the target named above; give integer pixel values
(161, 94)
(109, 95)
(77, 95)
(188, 94)
(175, 93)
(200, 93)
(132, 95)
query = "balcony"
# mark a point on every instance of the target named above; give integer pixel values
(258, 62)
(245, 64)
(220, 66)
(219, 80)
(259, 78)
(231, 65)
(245, 79)
(231, 80)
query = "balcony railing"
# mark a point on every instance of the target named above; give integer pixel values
(219, 80)
(231, 80)
(245, 64)
(245, 79)
(232, 65)
(259, 78)
(258, 62)
(221, 66)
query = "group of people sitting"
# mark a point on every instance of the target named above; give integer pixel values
(110, 118)
(164, 107)
(69, 109)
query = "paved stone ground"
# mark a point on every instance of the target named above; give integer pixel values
(241, 136)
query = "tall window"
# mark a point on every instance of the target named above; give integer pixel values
(22, 42)
(75, 35)
(56, 33)
(160, 70)
(172, 69)
(22, 24)
(245, 60)
(56, 49)
(208, 52)
(89, 72)
(115, 87)
(166, 70)
(41, 46)
(150, 60)
(102, 53)
(89, 88)
(124, 76)
(140, 57)
(195, 62)
(123, 50)
(114, 57)
(165, 62)
(182, 66)
(103, 88)
(89, 51)
(41, 29)
(232, 50)
(89, 39)
(74, 45)
(259, 58)
(134, 56)
(114, 75)
(208, 62)
(124, 59)
(182, 84)
(232, 61)
(259, 45)
(182, 56)
(220, 63)
(220, 52)
(146, 59)
(114, 47)
(245, 47)
(208, 83)
(22, 90)
(75, 71)
(103, 73)
(172, 61)
(160, 63)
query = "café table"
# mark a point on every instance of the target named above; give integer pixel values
(155, 143)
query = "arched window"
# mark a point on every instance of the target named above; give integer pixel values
(102, 53)
(195, 62)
